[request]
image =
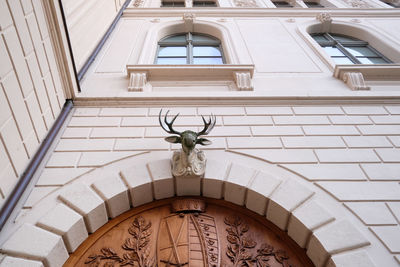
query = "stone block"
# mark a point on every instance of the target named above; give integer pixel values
(337, 237)
(269, 111)
(90, 112)
(372, 213)
(282, 155)
(254, 142)
(35, 243)
(346, 155)
(305, 220)
(87, 203)
(331, 130)
(356, 120)
(97, 159)
(65, 222)
(389, 155)
(141, 144)
(394, 119)
(63, 159)
(115, 193)
(359, 191)
(188, 186)
(259, 191)
(213, 180)
(139, 183)
(117, 132)
(163, 180)
(364, 110)
(317, 110)
(6, 65)
(247, 120)
(123, 112)
(183, 111)
(239, 178)
(276, 130)
(139, 121)
(366, 141)
(94, 121)
(18, 262)
(390, 236)
(327, 171)
(352, 259)
(379, 129)
(79, 133)
(5, 16)
(230, 131)
(221, 110)
(284, 200)
(300, 120)
(313, 142)
(84, 145)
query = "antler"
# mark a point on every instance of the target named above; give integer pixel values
(169, 124)
(208, 126)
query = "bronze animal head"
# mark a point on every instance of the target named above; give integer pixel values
(188, 139)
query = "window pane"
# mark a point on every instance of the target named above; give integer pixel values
(172, 4)
(206, 51)
(342, 60)
(172, 51)
(175, 39)
(204, 4)
(333, 51)
(207, 60)
(365, 60)
(313, 4)
(361, 51)
(171, 60)
(319, 38)
(344, 38)
(282, 4)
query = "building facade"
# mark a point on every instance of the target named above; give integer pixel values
(306, 96)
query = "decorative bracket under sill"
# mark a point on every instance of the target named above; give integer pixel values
(140, 76)
(355, 75)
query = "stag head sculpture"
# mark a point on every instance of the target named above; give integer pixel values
(189, 161)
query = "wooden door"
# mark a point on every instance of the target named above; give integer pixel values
(189, 232)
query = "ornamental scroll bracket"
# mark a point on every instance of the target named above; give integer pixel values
(188, 162)
(138, 82)
(355, 81)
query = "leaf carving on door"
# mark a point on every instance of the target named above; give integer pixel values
(137, 247)
(241, 247)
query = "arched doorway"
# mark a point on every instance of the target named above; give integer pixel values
(189, 232)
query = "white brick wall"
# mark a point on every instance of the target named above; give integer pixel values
(29, 100)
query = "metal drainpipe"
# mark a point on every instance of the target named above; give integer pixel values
(24, 180)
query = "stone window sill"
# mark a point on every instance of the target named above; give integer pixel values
(355, 75)
(141, 76)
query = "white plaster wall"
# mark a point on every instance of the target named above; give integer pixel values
(87, 22)
(31, 93)
(287, 60)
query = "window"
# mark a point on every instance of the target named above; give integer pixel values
(282, 4)
(189, 48)
(204, 3)
(167, 3)
(349, 50)
(312, 4)
(392, 3)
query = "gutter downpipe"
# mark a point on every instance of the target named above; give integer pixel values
(23, 182)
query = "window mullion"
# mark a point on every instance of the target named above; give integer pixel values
(347, 53)
(189, 49)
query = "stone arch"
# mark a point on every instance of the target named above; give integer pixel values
(159, 31)
(88, 203)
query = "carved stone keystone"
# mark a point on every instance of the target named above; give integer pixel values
(189, 161)
(326, 21)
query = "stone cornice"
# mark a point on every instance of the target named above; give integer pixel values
(257, 12)
(238, 101)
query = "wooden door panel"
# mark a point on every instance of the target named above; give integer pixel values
(192, 233)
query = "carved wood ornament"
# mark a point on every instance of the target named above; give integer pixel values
(192, 233)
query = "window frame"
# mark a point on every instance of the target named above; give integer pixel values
(189, 48)
(341, 46)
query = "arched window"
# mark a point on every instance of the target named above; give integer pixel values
(189, 48)
(348, 50)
